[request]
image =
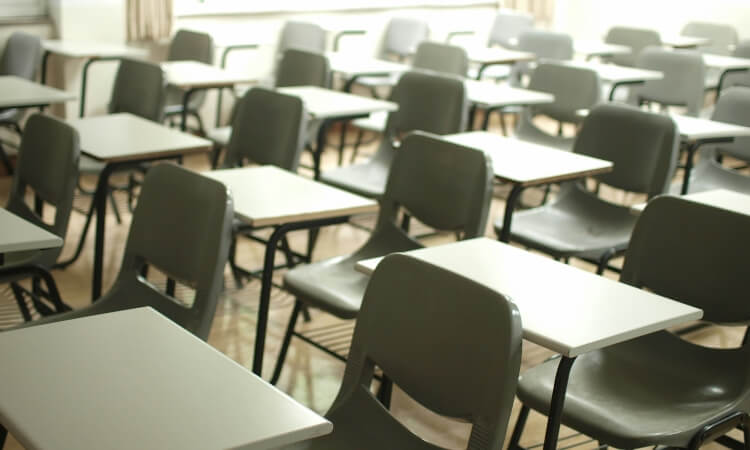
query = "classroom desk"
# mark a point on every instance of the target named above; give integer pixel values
(593, 49)
(134, 379)
(192, 76)
(563, 308)
(695, 132)
(20, 235)
(491, 56)
(725, 65)
(720, 198)
(125, 141)
(91, 51)
(329, 106)
(492, 96)
(352, 67)
(618, 75)
(298, 203)
(684, 42)
(525, 164)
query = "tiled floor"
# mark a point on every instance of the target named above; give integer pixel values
(310, 376)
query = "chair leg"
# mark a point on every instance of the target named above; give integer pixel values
(18, 293)
(285, 342)
(233, 262)
(113, 203)
(406, 222)
(201, 129)
(342, 143)
(385, 391)
(503, 124)
(6, 161)
(604, 260)
(215, 155)
(515, 438)
(357, 143)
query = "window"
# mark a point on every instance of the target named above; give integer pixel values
(22, 8)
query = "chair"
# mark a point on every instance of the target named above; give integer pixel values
(643, 149)
(182, 228)
(305, 36)
(507, 27)
(140, 89)
(427, 102)
(635, 38)
(430, 56)
(723, 37)
(683, 83)
(574, 88)
(20, 58)
(444, 185)
(296, 68)
(733, 106)
(409, 308)
(668, 392)
(741, 50)
(48, 166)
(189, 45)
(548, 46)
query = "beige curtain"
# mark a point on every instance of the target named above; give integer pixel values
(542, 10)
(149, 20)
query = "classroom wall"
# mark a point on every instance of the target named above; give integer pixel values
(592, 18)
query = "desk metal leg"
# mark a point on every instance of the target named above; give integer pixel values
(320, 146)
(480, 72)
(510, 205)
(557, 402)
(267, 280)
(690, 149)
(100, 208)
(184, 112)
(45, 58)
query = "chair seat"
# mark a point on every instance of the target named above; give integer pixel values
(219, 136)
(334, 285)
(363, 423)
(644, 392)
(366, 179)
(708, 175)
(374, 122)
(578, 224)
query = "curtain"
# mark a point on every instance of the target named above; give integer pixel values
(542, 10)
(149, 20)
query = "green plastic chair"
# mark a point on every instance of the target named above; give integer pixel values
(659, 390)
(188, 45)
(635, 38)
(450, 343)
(182, 226)
(47, 166)
(643, 149)
(722, 36)
(733, 106)
(444, 185)
(427, 102)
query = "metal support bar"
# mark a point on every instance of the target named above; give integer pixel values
(510, 205)
(184, 112)
(266, 280)
(84, 78)
(691, 149)
(223, 65)
(723, 75)
(341, 34)
(557, 402)
(621, 83)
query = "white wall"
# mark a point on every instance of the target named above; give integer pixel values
(592, 18)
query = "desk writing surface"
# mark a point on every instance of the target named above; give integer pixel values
(268, 195)
(681, 41)
(194, 74)
(725, 62)
(90, 49)
(487, 94)
(122, 137)
(527, 163)
(134, 379)
(720, 198)
(617, 74)
(497, 55)
(563, 308)
(599, 48)
(16, 92)
(363, 65)
(324, 103)
(693, 128)
(18, 234)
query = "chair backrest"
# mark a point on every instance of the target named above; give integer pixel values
(722, 36)
(140, 89)
(733, 106)
(428, 102)
(442, 58)
(693, 253)
(47, 164)
(301, 36)
(443, 185)
(742, 49)
(635, 38)
(182, 227)
(302, 68)
(21, 55)
(268, 128)
(546, 45)
(188, 45)
(574, 88)
(410, 309)
(683, 83)
(402, 36)
(507, 26)
(642, 146)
